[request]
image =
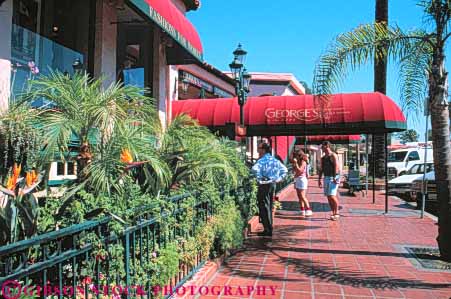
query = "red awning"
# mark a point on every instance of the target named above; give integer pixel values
(336, 139)
(174, 23)
(357, 113)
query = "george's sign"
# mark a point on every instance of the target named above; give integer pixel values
(307, 115)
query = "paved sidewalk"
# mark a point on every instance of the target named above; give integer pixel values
(359, 256)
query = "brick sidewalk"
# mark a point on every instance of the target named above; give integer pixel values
(359, 256)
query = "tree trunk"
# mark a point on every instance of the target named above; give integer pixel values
(439, 107)
(380, 85)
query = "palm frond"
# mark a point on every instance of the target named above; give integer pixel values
(414, 70)
(57, 132)
(108, 119)
(436, 11)
(201, 156)
(358, 47)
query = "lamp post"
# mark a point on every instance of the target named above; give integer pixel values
(242, 79)
(77, 65)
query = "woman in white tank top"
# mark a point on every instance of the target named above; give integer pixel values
(300, 168)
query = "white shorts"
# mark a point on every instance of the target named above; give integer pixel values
(301, 183)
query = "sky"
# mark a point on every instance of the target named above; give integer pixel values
(288, 36)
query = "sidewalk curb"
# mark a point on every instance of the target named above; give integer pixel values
(204, 275)
(427, 214)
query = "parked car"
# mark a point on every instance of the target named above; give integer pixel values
(431, 188)
(400, 161)
(402, 185)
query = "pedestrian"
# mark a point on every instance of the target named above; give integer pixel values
(331, 170)
(268, 171)
(300, 168)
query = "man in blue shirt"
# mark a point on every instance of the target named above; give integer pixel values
(268, 171)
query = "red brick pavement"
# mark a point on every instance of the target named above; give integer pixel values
(359, 256)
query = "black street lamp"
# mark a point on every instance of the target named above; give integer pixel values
(77, 65)
(242, 79)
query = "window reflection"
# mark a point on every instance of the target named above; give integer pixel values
(47, 35)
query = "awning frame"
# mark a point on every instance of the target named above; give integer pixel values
(320, 129)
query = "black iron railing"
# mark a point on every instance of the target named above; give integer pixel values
(74, 260)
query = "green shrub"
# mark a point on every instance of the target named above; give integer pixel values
(228, 227)
(167, 265)
(204, 239)
(188, 251)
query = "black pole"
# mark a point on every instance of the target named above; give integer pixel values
(374, 168)
(349, 156)
(241, 114)
(386, 173)
(252, 149)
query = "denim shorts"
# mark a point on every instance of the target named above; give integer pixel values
(330, 188)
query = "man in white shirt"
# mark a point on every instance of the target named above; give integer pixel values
(268, 171)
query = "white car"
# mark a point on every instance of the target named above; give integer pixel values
(402, 185)
(400, 161)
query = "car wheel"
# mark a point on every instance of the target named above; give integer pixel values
(420, 199)
(407, 196)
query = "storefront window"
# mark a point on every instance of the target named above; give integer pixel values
(134, 49)
(132, 71)
(192, 87)
(47, 35)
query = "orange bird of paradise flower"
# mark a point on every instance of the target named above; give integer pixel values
(31, 178)
(16, 170)
(12, 180)
(126, 157)
(10, 183)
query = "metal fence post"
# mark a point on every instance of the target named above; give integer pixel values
(127, 261)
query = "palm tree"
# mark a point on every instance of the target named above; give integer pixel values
(420, 55)
(380, 85)
(194, 154)
(104, 121)
(408, 136)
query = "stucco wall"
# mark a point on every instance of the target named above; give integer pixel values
(106, 42)
(288, 92)
(160, 76)
(173, 90)
(6, 11)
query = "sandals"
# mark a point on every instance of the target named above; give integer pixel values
(335, 217)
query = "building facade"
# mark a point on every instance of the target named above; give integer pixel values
(202, 81)
(134, 41)
(278, 84)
